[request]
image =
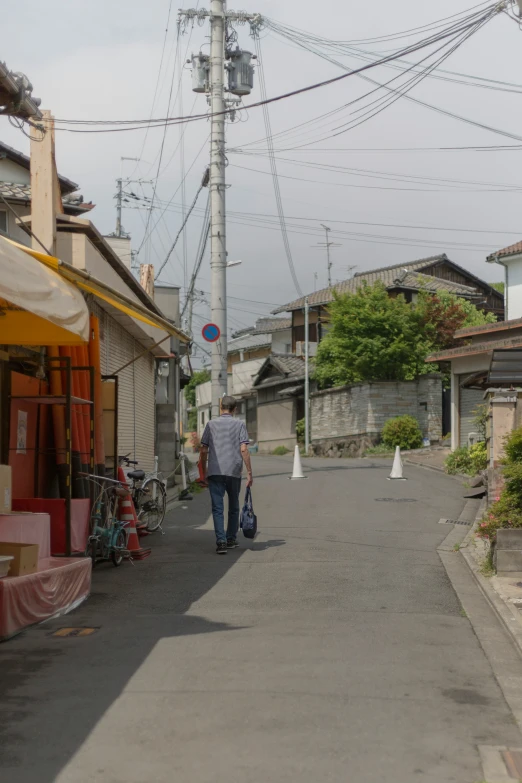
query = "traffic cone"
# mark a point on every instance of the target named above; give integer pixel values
(127, 513)
(396, 474)
(298, 469)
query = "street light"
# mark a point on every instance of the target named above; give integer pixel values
(233, 263)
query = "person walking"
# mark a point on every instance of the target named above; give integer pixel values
(224, 449)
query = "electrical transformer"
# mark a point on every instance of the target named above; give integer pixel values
(200, 72)
(240, 73)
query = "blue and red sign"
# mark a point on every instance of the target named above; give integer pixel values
(211, 333)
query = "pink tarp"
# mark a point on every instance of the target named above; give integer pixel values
(59, 585)
(27, 529)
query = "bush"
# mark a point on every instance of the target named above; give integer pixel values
(280, 451)
(513, 447)
(402, 431)
(459, 461)
(505, 512)
(300, 430)
(479, 457)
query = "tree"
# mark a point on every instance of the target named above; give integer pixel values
(372, 337)
(201, 376)
(499, 286)
(375, 337)
(442, 314)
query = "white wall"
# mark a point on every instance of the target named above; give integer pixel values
(13, 172)
(282, 341)
(243, 374)
(513, 295)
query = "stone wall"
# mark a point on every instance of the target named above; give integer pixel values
(349, 419)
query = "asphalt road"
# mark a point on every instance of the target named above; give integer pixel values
(333, 648)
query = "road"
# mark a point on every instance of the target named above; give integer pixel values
(333, 648)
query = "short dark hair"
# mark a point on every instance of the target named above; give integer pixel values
(228, 403)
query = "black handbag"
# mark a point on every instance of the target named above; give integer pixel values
(248, 520)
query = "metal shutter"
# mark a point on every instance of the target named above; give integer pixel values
(470, 399)
(136, 385)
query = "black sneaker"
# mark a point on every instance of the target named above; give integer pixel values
(232, 543)
(221, 548)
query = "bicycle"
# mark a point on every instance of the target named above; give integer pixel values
(148, 494)
(108, 536)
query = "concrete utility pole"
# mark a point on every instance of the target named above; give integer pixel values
(209, 77)
(307, 378)
(218, 228)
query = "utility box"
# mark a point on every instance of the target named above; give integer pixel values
(240, 73)
(200, 72)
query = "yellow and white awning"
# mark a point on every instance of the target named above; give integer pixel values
(37, 305)
(74, 280)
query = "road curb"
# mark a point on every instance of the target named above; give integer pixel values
(507, 614)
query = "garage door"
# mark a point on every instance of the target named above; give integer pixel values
(470, 399)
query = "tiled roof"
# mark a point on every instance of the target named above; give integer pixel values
(385, 274)
(406, 276)
(512, 250)
(249, 342)
(17, 192)
(265, 325)
(291, 368)
(273, 324)
(66, 185)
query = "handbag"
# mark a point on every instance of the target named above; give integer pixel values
(248, 520)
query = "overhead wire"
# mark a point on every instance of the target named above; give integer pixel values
(273, 168)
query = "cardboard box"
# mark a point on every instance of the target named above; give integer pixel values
(5, 489)
(25, 557)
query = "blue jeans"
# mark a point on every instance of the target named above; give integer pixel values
(218, 485)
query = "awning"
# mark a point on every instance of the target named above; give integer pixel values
(37, 305)
(86, 282)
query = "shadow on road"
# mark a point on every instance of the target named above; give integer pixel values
(55, 690)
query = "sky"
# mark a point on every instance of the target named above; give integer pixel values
(102, 61)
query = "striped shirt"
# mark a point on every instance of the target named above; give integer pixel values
(223, 438)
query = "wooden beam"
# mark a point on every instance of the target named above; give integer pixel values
(46, 199)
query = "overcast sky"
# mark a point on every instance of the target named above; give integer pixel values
(101, 60)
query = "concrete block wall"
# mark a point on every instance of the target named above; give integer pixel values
(361, 410)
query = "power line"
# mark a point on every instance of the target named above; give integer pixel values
(469, 23)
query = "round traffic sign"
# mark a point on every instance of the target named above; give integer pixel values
(211, 333)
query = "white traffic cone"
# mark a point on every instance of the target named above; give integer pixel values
(298, 469)
(396, 474)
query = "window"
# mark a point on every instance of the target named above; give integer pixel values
(3, 221)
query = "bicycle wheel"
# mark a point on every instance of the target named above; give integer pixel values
(118, 552)
(153, 504)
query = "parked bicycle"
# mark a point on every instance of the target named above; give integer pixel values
(108, 535)
(148, 494)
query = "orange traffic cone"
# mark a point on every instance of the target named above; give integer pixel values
(127, 513)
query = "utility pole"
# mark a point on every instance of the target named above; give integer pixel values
(307, 377)
(208, 76)
(218, 228)
(119, 194)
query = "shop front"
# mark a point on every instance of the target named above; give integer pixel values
(58, 421)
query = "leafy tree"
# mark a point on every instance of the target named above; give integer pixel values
(201, 376)
(372, 337)
(499, 286)
(375, 337)
(442, 314)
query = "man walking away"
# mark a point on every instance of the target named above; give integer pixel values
(225, 445)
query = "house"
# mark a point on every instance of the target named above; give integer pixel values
(484, 357)
(279, 385)
(435, 274)
(15, 188)
(131, 349)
